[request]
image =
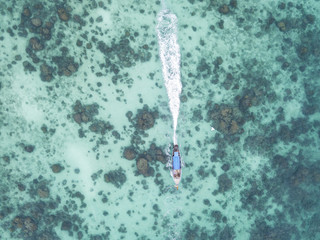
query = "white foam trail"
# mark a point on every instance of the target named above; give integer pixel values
(172, 216)
(169, 51)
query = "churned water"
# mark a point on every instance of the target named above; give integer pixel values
(86, 127)
(169, 52)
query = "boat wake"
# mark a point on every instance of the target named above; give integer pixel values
(172, 218)
(169, 52)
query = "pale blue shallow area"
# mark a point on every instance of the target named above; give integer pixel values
(86, 130)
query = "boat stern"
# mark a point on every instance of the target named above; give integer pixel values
(176, 180)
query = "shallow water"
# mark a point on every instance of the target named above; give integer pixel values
(86, 129)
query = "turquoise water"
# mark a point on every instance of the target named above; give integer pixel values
(86, 129)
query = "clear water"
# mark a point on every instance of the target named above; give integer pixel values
(86, 128)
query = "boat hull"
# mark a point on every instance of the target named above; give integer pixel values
(176, 179)
(176, 171)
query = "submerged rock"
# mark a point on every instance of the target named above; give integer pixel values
(84, 113)
(6, 159)
(43, 192)
(21, 187)
(46, 72)
(227, 119)
(142, 166)
(26, 12)
(129, 115)
(129, 153)
(225, 167)
(285, 133)
(28, 66)
(183, 98)
(160, 156)
(303, 51)
(282, 26)
(35, 44)
(116, 177)
(216, 215)
(225, 183)
(233, 3)
(79, 20)
(280, 163)
(204, 68)
(227, 233)
(197, 116)
(245, 103)
(36, 22)
(57, 168)
(262, 230)
(250, 97)
(116, 134)
(224, 9)
(155, 153)
(63, 14)
(299, 176)
(46, 31)
(66, 65)
(119, 54)
(308, 109)
(100, 126)
(145, 118)
(66, 226)
(28, 225)
(29, 148)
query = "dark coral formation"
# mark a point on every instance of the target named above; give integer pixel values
(28, 66)
(46, 72)
(145, 118)
(38, 217)
(116, 177)
(29, 148)
(143, 166)
(35, 44)
(63, 14)
(157, 154)
(146, 158)
(224, 9)
(101, 127)
(227, 119)
(123, 54)
(37, 20)
(225, 183)
(255, 106)
(265, 231)
(66, 65)
(84, 113)
(43, 191)
(57, 168)
(27, 225)
(129, 153)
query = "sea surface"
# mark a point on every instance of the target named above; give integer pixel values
(86, 130)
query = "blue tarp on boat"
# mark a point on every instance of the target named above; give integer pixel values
(176, 161)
